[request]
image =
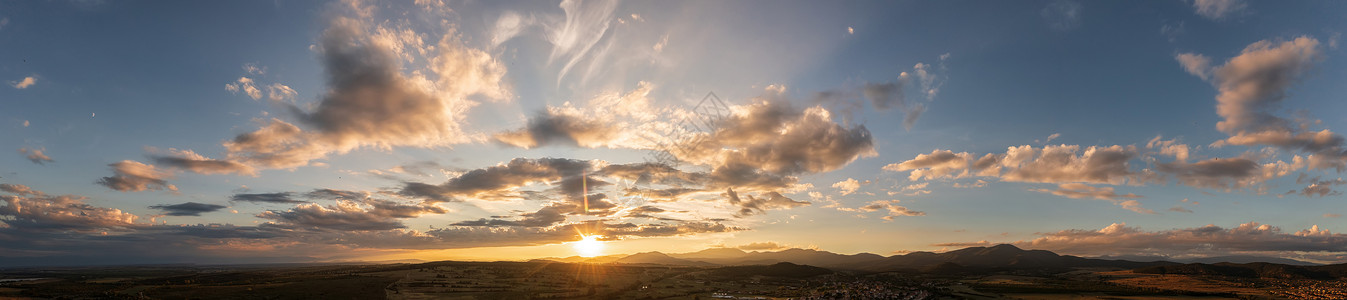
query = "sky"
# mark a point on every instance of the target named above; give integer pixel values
(312, 131)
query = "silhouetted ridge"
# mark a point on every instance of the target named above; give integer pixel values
(783, 269)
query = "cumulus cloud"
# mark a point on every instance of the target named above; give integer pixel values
(846, 187)
(187, 209)
(134, 176)
(774, 138)
(937, 164)
(35, 210)
(24, 83)
(372, 102)
(1246, 239)
(1048, 164)
(1219, 9)
(36, 156)
(1253, 84)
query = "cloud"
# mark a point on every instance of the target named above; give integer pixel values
(24, 83)
(133, 176)
(758, 246)
(284, 198)
(556, 127)
(1197, 64)
(1250, 88)
(280, 92)
(371, 102)
(1246, 239)
(1172, 32)
(1227, 173)
(1062, 15)
(1330, 215)
(547, 216)
(1219, 9)
(846, 187)
(1180, 209)
(937, 164)
(36, 156)
(1078, 191)
(611, 119)
(349, 215)
(1049, 164)
(892, 207)
(245, 85)
(35, 210)
(1171, 147)
(761, 203)
(498, 182)
(584, 25)
(191, 161)
(776, 139)
(187, 209)
(1317, 187)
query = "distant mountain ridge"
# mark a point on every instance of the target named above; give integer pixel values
(998, 257)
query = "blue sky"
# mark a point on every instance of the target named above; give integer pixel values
(459, 129)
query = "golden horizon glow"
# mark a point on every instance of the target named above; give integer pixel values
(588, 246)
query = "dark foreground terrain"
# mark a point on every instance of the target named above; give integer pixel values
(974, 273)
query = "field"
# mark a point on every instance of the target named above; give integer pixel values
(550, 280)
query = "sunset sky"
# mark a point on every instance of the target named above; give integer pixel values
(289, 131)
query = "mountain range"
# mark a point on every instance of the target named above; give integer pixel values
(998, 257)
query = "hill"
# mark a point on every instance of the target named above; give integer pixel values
(1252, 270)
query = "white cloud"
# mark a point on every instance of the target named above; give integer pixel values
(846, 187)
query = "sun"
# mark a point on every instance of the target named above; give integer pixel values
(588, 246)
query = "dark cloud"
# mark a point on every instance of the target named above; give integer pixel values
(750, 205)
(331, 194)
(190, 161)
(285, 197)
(1216, 173)
(187, 209)
(1317, 187)
(553, 127)
(498, 182)
(1246, 239)
(348, 215)
(133, 176)
(545, 217)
